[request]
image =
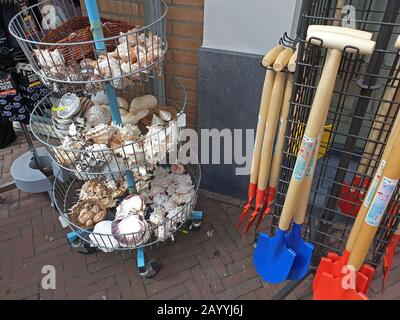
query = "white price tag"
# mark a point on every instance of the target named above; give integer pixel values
(182, 120)
(64, 221)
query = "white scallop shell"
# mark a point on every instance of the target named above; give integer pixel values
(96, 115)
(143, 103)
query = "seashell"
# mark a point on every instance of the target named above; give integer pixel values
(94, 85)
(122, 103)
(145, 102)
(129, 68)
(123, 112)
(129, 231)
(49, 59)
(99, 98)
(131, 204)
(68, 106)
(177, 168)
(87, 63)
(101, 132)
(131, 39)
(134, 118)
(102, 237)
(125, 52)
(72, 130)
(86, 103)
(165, 115)
(156, 121)
(97, 115)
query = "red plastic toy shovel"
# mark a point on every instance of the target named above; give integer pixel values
(332, 273)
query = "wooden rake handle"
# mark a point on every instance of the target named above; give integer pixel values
(280, 136)
(270, 129)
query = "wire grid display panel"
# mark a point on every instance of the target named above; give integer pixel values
(327, 227)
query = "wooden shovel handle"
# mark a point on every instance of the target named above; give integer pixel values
(262, 118)
(379, 130)
(301, 211)
(270, 129)
(316, 119)
(338, 12)
(375, 210)
(270, 57)
(282, 59)
(391, 145)
(280, 136)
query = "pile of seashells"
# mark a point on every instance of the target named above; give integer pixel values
(133, 54)
(158, 209)
(89, 139)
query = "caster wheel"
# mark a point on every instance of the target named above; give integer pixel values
(196, 225)
(81, 246)
(150, 269)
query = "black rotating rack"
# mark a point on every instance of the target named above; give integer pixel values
(360, 90)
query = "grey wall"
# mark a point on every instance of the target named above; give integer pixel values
(230, 85)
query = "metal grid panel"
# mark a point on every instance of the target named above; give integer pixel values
(327, 227)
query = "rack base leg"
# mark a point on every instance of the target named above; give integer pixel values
(146, 269)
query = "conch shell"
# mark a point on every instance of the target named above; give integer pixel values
(145, 102)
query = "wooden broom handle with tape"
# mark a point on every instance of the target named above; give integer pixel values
(391, 145)
(376, 208)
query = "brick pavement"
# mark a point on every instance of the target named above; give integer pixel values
(196, 266)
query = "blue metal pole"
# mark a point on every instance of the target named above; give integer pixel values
(97, 31)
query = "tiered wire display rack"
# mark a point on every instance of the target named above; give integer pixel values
(108, 125)
(355, 112)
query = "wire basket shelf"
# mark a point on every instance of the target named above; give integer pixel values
(67, 190)
(59, 45)
(152, 143)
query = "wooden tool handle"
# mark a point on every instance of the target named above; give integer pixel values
(338, 12)
(316, 120)
(376, 209)
(340, 41)
(262, 118)
(282, 59)
(293, 62)
(390, 146)
(301, 211)
(270, 57)
(270, 129)
(280, 135)
(379, 131)
(336, 29)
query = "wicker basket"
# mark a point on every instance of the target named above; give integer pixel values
(76, 209)
(77, 29)
(147, 119)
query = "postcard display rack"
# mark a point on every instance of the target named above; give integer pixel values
(110, 125)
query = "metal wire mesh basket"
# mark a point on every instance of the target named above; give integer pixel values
(354, 113)
(86, 155)
(67, 192)
(59, 44)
